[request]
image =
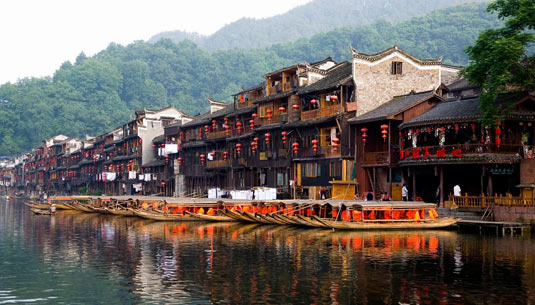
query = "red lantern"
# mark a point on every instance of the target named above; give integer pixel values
(206, 128)
(251, 124)
(238, 149)
(239, 126)
(315, 145)
(456, 128)
(214, 124)
(282, 109)
(153, 145)
(202, 157)
(255, 115)
(167, 159)
(335, 141)
(269, 114)
(267, 135)
(284, 138)
(163, 183)
(334, 98)
(227, 130)
(313, 101)
(364, 131)
(384, 127)
(295, 147)
(225, 156)
(181, 136)
(295, 106)
(498, 141)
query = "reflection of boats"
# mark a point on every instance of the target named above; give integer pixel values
(36, 205)
(41, 212)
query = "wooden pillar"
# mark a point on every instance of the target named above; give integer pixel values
(413, 186)
(374, 182)
(441, 186)
(390, 181)
(491, 192)
(483, 180)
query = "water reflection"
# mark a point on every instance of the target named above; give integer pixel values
(75, 257)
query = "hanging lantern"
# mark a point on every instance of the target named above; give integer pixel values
(202, 157)
(295, 147)
(153, 145)
(267, 135)
(269, 114)
(456, 128)
(498, 134)
(334, 98)
(239, 126)
(179, 160)
(313, 101)
(282, 109)
(442, 129)
(163, 183)
(253, 146)
(227, 130)
(238, 149)
(214, 122)
(167, 159)
(295, 106)
(315, 145)
(284, 138)
(498, 142)
(181, 136)
(206, 128)
(335, 141)
(255, 115)
(226, 120)
(225, 156)
(251, 124)
(364, 131)
(200, 132)
(384, 131)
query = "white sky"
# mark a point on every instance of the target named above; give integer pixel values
(37, 36)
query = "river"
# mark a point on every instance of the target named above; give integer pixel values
(79, 258)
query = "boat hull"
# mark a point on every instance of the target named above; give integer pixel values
(438, 223)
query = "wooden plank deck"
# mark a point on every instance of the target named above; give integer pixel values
(499, 227)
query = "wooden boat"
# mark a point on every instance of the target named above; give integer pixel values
(388, 221)
(307, 221)
(41, 212)
(81, 207)
(98, 209)
(237, 216)
(121, 212)
(36, 205)
(270, 219)
(164, 217)
(221, 218)
(283, 218)
(254, 217)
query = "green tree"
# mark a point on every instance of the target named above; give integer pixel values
(499, 57)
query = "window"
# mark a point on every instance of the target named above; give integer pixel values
(335, 169)
(397, 67)
(312, 170)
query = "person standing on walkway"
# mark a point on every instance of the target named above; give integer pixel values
(404, 193)
(369, 196)
(456, 190)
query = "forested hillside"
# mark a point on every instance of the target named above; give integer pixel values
(304, 21)
(93, 95)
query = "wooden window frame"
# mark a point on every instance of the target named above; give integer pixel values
(397, 67)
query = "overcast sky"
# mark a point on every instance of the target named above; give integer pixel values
(38, 35)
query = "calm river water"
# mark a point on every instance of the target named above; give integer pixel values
(77, 258)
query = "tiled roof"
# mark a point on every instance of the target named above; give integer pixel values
(330, 81)
(465, 110)
(159, 139)
(394, 106)
(274, 96)
(308, 123)
(193, 144)
(241, 111)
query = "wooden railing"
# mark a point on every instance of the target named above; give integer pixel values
(482, 201)
(216, 134)
(321, 112)
(217, 163)
(330, 110)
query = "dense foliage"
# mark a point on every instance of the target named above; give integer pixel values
(499, 58)
(315, 17)
(95, 94)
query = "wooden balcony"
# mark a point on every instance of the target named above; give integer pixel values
(321, 112)
(216, 134)
(376, 158)
(217, 164)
